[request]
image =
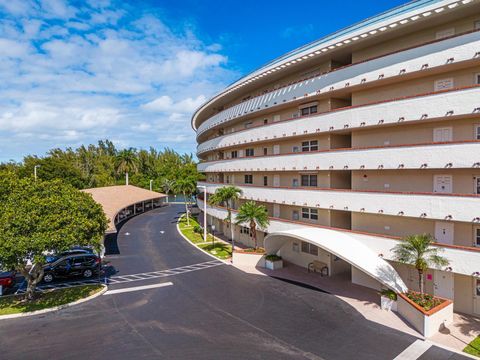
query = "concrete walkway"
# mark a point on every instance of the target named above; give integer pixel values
(367, 302)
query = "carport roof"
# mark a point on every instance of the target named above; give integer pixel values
(115, 198)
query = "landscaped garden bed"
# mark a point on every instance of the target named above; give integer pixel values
(426, 301)
(16, 304)
(474, 347)
(194, 233)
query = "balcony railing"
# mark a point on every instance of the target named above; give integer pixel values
(435, 54)
(426, 107)
(463, 259)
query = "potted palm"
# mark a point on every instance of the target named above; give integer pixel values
(273, 262)
(388, 300)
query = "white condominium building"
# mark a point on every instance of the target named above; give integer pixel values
(357, 140)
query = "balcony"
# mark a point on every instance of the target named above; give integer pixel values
(440, 105)
(419, 156)
(452, 207)
(463, 260)
(427, 57)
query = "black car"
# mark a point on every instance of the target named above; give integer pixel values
(85, 265)
(73, 251)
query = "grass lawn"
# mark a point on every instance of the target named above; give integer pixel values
(14, 304)
(221, 250)
(474, 347)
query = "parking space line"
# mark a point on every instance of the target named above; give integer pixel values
(137, 288)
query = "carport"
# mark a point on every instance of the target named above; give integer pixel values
(124, 201)
(343, 245)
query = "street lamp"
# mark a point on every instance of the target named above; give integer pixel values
(213, 236)
(151, 182)
(204, 211)
(35, 171)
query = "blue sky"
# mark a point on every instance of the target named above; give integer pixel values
(74, 72)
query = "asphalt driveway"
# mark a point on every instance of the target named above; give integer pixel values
(210, 311)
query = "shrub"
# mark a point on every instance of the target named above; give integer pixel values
(273, 257)
(392, 295)
(426, 301)
(197, 229)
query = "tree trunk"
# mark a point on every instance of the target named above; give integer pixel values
(253, 228)
(420, 280)
(33, 277)
(186, 208)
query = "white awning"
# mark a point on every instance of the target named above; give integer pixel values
(345, 246)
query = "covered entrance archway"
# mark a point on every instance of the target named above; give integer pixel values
(343, 245)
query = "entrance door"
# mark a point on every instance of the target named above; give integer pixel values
(276, 149)
(276, 210)
(276, 180)
(442, 134)
(443, 284)
(443, 184)
(444, 232)
(476, 296)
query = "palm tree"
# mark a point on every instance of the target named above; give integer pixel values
(167, 185)
(186, 186)
(226, 196)
(126, 161)
(417, 250)
(255, 215)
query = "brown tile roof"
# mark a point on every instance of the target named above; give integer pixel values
(115, 198)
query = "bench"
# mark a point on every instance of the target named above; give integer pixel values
(318, 266)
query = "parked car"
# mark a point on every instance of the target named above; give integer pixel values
(73, 251)
(85, 265)
(7, 279)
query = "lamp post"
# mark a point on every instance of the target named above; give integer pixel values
(204, 211)
(151, 182)
(213, 236)
(35, 171)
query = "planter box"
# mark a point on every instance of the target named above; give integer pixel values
(428, 323)
(274, 265)
(388, 304)
(246, 259)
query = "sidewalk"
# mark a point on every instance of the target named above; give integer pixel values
(367, 302)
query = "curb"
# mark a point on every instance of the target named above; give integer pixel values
(56, 308)
(197, 247)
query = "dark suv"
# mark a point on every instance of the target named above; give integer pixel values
(85, 265)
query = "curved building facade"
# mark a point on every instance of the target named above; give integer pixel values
(357, 140)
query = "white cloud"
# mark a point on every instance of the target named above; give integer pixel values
(71, 74)
(166, 104)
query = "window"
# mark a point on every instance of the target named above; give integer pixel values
(234, 154)
(295, 215)
(476, 25)
(309, 180)
(476, 79)
(443, 84)
(265, 151)
(249, 152)
(476, 185)
(309, 248)
(308, 110)
(308, 213)
(295, 149)
(311, 145)
(265, 121)
(477, 237)
(477, 132)
(248, 124)
(248, 179)
(245, 230)
(265, 181)
(295, 182)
